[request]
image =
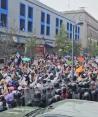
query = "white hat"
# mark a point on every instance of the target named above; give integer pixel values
(19, 88)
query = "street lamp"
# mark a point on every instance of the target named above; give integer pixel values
(77, 24)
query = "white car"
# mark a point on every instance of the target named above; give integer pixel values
(65, 108)
(72, 108)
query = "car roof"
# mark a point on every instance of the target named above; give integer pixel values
(17, 112)
(73, 108)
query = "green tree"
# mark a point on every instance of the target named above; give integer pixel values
(7, 42)
(94, 49)
(30, 47)
(90, 46)
(77, 49)
(63, 44)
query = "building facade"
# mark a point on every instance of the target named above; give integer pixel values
(27, 18)
(88, 24)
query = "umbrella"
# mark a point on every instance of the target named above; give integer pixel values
(26, 59)
(69, 62)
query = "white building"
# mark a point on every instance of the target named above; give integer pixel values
(24, 18)
(89, 25)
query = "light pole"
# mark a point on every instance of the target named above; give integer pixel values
(73, 57)
(74, 31)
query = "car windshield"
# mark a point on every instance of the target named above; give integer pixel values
(52, 115)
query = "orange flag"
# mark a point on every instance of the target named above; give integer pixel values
(79, 70)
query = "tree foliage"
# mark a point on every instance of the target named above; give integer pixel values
(92, 48)
(63, 44)
(30, 47)
(7, 43)
(77, 49)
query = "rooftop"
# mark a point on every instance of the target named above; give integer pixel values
(43, 6)
(80, 11)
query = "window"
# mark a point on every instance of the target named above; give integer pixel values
(67, 26)
(22, 17)
(22, 24)
(58, 25)
(4, 4)
(30, 19)
(48, 25)
(42, 29)
(42, 23)
(3, 13)
(3, 20)
(57, 22)
(30, 12)
(71, 27)
(22, 10)
(61, 22)
(70, 30)
(48, 30)
(45, 24)
(77, 33)
(43, 17)
(29, 26)
(73, 32)
(70, 35)
(78, 30)
(48, 19)
(57, 31)
(76, 37)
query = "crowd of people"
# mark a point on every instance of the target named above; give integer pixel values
(43, 81)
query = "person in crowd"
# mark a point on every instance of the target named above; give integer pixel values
(47, 80)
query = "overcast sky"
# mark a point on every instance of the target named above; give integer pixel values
(62, 5)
